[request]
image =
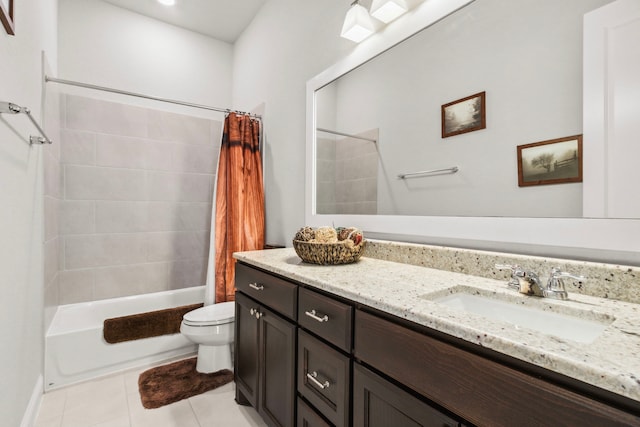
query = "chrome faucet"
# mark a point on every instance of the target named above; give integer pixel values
(555, 286)
(528, 282)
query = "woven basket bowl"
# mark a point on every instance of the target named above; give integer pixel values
(328, 253)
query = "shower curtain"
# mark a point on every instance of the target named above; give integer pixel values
(239, 217)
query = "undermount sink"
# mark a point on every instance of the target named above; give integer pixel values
(581, 326)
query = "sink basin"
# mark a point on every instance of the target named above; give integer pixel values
(576, 325)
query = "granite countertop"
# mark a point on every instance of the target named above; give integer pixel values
(611, 362)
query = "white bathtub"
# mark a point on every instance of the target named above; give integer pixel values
(75, 349)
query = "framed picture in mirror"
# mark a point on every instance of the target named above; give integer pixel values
(6, 16)
(464, 115)
(555, 161)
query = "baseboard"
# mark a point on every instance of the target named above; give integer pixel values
(30, 414)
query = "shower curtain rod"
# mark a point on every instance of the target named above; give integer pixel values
(335, 132)
(48, 79)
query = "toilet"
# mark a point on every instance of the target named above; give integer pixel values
(211, 327)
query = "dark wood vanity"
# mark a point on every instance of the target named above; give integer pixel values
(304, 357)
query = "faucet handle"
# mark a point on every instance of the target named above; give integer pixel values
(556, 273)
(516, 272)
(555, 286)
(515, 268)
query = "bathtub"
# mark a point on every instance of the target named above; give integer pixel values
(75, 349)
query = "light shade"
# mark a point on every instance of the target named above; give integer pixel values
(388, 10)
(357, 24)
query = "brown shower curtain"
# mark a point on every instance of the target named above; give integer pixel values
(239, 224)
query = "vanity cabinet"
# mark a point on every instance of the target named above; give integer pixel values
(483, 392)
(378, 403)
(311, 359)
(265, 344)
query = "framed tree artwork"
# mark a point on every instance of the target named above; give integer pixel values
(464, 115)
(550, 162)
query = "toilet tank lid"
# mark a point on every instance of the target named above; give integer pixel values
(212, 314)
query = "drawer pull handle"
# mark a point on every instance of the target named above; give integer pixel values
(256, 286)
(255, 312)
(315, 316)
(312, 377)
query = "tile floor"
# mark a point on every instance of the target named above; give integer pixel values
(113, 401)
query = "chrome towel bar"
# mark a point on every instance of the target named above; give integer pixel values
(452, 169)
(11, 108)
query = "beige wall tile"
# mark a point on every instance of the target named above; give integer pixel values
(77, 217)
(105, 117)
(179, 216)
(93, 183)
(104, 250)
(51, 217)
(159, 155)
(78, 147)
(76, 286)
(178, 187)
(121, 217)
(127, 280)
(187, 273)
(171, 246)
(195, 158)
(168, 126)
(120, 151)
(52, 177)
(50, 260)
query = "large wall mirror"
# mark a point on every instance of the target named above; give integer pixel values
(377, 115)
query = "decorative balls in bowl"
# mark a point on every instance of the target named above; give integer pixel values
(328, 245)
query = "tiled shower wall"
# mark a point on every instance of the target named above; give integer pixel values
(136, 194)
(347, 174)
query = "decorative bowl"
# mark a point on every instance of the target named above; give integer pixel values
(329, 253)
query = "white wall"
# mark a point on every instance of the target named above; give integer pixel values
(105, 45)
(21, 219)
(288, 43)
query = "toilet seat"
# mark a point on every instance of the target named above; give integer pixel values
(211, 315)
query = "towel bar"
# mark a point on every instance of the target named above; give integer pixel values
(11, 108)
(452, 169)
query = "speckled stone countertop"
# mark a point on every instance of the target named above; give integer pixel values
(611, 362)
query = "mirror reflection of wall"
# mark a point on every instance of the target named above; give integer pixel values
(526, 56)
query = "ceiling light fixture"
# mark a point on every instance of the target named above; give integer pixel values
(167, 2)
(388, 10)
(357, 23)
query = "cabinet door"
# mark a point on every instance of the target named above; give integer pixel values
(246, 350)
(378, 403)
(307, 417)
(277, 370)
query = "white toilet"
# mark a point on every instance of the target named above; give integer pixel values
(211, 327)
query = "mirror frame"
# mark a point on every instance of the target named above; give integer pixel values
(601, 239)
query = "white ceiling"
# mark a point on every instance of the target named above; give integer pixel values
(221, 19)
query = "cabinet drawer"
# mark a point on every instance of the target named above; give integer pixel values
(377, 402)
(326, 317)
(307, 417)
(277, 294)
(484, 392)
(324, 378)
